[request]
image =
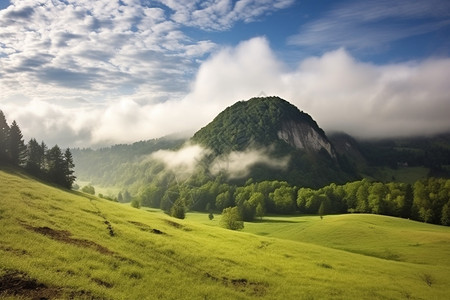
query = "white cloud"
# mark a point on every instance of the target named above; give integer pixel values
(338, 91)
(182, 162)
(221, 14)
(98, 47)
(237, 164)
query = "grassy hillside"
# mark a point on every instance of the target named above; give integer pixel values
(59, 244)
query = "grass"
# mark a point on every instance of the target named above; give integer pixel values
(61, 244)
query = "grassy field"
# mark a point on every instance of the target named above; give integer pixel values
(57, 244)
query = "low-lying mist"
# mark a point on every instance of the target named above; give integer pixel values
(236, 164)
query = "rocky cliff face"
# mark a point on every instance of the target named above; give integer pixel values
(302, 136)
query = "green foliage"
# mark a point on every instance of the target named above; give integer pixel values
(231, 219)
(17, 148)
(178, 209)
(135, 203)
(282, 199)
(426, 201)
(88, 189)
(4, 137)
(321, 211)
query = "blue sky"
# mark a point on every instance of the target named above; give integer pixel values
(82, 73)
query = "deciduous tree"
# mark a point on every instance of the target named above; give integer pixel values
(231, 219)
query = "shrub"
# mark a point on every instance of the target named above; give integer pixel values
(231, 219)
(177, 210)
(88, 189)
(135, 203)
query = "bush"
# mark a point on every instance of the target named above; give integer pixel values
(88, 189)
(177, 210)
(231, 219)
(135, 203)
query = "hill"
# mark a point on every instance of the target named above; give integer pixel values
(260, 122)
(283, 132)
(57, 244)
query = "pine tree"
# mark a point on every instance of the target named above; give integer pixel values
(56, 166)
(17, 148)
(4, 137)
(35, 157)
(44, 165)
(120, 197)
(69, 178)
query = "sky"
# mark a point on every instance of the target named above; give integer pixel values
(95, 73)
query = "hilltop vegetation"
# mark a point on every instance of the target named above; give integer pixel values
(65, 245)
(255, 122)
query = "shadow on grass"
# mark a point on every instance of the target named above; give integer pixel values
(277, 221)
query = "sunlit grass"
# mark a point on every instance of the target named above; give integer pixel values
(61, 239)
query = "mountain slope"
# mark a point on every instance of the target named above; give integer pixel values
(283, 131)
(65, 245)
(262, 122)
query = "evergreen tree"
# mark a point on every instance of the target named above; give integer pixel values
(56, 166)
(4, 137)
(17, 148)
(44, 165)
(126, 196)
(69, 178)
(35, 157)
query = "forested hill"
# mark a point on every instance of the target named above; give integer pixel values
(283, 132)
(255, 123)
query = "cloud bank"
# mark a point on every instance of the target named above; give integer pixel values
(338, 91)
(237, 164)
(182, 162)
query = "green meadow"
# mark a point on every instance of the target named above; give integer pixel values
(57, 244)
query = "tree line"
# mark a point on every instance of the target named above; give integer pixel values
(53, 165)
(426, 200)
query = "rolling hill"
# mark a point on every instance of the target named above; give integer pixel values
(58, 244)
